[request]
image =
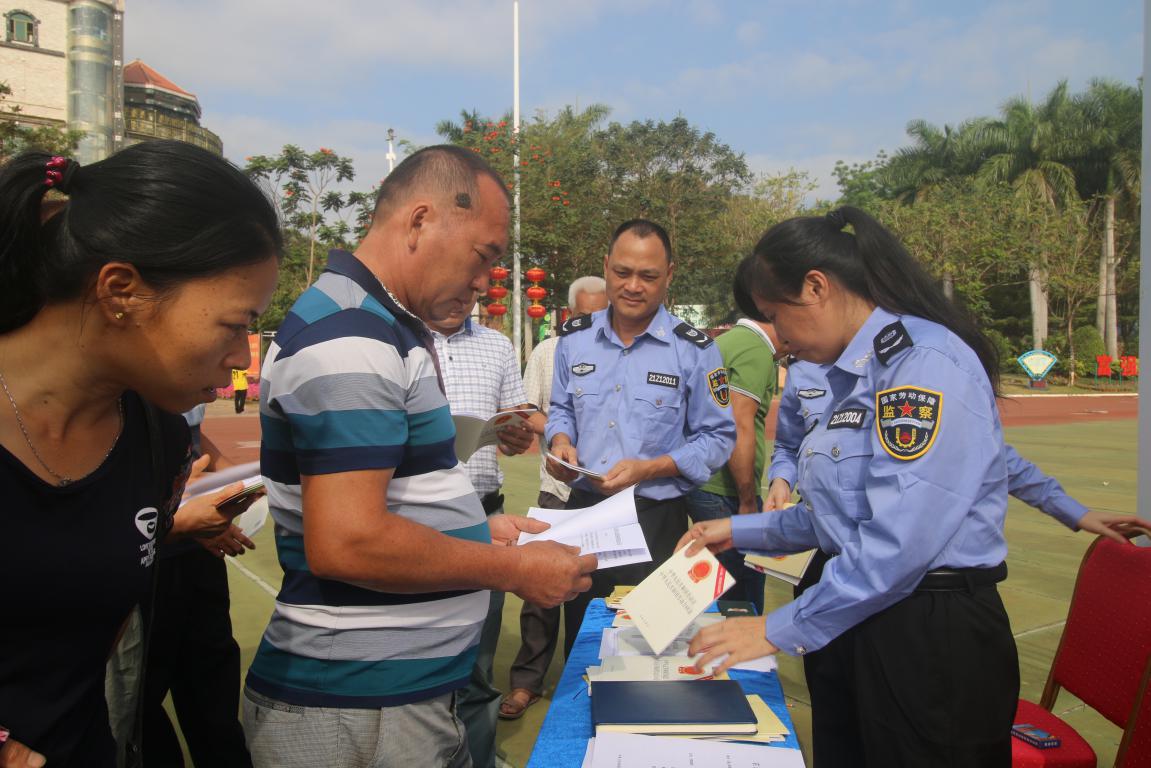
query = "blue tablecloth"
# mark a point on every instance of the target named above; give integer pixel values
(563, 738)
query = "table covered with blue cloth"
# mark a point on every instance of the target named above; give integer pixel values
(562, 740)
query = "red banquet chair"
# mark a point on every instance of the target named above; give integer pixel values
(1104, 658)
(1128, 366)
(1102, 366)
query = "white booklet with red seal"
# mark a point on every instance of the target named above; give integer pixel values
(675, 594)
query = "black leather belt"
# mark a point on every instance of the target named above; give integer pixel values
(955, 579)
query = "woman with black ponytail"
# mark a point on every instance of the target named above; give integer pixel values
(904, 488)
(137, 286)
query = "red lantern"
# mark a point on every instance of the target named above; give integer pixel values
(498, 273)
(536, 292)
(497, 292)
(497, 309)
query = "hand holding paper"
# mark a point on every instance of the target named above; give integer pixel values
(739, 639)
(609, 529)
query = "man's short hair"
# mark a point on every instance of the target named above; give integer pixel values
(445, 170)
(642, 228)
(585, 284)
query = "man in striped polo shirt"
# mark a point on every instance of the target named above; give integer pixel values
(387, 555)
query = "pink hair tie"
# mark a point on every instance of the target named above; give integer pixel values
(54, 173)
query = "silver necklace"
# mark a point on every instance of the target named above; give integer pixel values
(61, 480)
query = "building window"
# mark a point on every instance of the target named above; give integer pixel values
(22, 27)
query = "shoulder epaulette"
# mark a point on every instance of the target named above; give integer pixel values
(573, 324)
(890, 341)
(694, 335)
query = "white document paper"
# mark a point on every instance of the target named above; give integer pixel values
(629, 641)
(576, 467)
(667, 601)
(473, 432)
(610, 530)
(253, 518)
(648, 668)
(631, 750)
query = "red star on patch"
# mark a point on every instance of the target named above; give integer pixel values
(906, 410)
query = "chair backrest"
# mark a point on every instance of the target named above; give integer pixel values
(1129, 365)
(1103, 656)
(1103, 365)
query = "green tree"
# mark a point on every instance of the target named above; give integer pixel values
(301, 183)
(1032, 147)
(935, 156)
(863, 185)
(16, 137)
(1111, 121)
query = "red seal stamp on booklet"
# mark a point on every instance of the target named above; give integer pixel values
(699, 571)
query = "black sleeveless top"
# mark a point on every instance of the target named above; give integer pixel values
(73, 563)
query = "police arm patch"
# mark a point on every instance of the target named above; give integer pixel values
(908, 420)
(717, 386)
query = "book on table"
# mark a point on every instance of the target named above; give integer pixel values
(672, 707)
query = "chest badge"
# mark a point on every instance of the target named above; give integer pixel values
(908, 420)
(583, 369)
(847, 418)
(663, 379)
(811, 393)
(717, 385)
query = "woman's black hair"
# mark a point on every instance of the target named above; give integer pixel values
(870, 263)
(741, 292)
(174, 211)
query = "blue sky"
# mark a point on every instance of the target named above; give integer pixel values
(789, 83)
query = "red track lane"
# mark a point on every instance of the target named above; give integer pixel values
(238, 436)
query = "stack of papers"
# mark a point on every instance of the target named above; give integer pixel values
(474, 432)
(629, 750)
(649, 668)
(610, 530)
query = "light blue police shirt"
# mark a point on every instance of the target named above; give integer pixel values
(904, 473)
(667, 393)
(804, 398)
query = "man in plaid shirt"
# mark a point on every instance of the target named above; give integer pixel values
(482, 377)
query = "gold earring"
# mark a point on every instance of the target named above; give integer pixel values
(119, 315)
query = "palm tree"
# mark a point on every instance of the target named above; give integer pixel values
(1109, 172)
(1032, 148)
(935, 157)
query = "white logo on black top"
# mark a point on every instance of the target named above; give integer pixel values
(147, 520)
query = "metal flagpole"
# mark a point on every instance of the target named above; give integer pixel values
(1143, 495)
(517, 298)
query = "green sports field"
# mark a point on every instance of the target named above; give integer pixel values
(1096, 463)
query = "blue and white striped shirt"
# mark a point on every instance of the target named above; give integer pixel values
(351, 384)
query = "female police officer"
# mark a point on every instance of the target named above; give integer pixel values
(905, 483)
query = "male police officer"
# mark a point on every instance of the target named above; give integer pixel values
(640, 397)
